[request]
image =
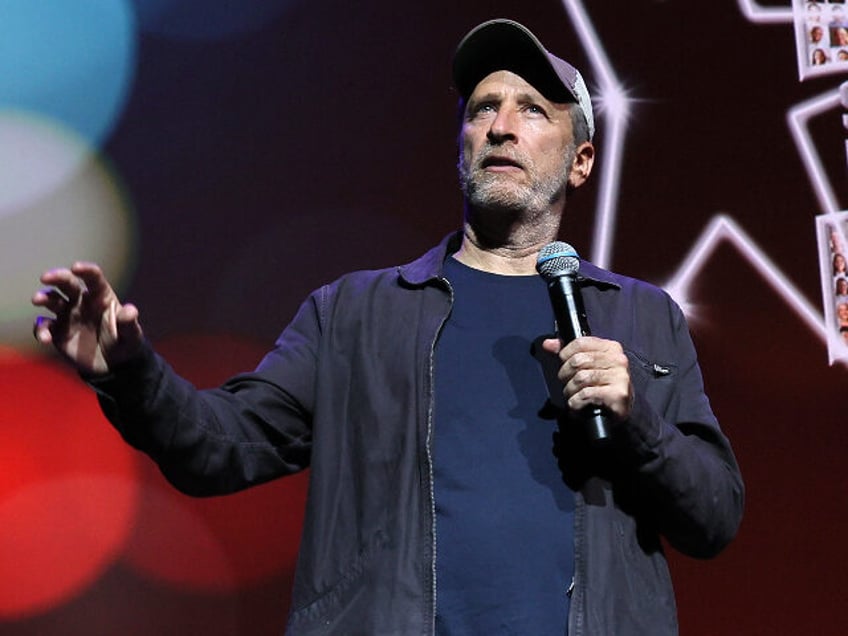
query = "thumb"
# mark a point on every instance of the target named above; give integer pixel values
(552, 345)
(127, 325)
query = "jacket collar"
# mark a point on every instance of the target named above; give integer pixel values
(596, 275)
(429, 266)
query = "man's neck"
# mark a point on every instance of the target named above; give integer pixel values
(511, 255)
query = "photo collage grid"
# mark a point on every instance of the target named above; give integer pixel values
(831, 230)
(821, 29)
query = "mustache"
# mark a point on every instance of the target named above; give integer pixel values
(501, 156)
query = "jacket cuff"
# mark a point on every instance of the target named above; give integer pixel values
(126, 379)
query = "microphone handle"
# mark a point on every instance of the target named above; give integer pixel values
(571, 322)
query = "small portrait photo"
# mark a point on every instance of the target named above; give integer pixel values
(840, 289)
(838, 15)
(842, 316)
(834, 239)
(839, 265)
(838, 35)
(819, 57)
(833, 267)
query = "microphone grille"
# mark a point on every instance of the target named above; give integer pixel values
(557, 259)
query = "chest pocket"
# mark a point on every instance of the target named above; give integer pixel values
(654, 379)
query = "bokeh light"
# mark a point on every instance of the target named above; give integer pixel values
(68, 487)
(87, 217)
(69, 64)
(220, 544)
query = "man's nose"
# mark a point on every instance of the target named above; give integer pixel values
(502, 127)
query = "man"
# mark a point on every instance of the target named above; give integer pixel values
(436, 501)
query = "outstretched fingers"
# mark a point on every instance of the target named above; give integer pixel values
(43, 329)
(93, 279)
(90, 326)
(63, 281)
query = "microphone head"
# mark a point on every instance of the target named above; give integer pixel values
(557, 259)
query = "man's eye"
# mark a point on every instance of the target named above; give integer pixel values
(535, 109)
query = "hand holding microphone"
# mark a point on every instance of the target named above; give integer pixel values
(594, 371)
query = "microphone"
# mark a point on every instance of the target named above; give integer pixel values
(557, 264)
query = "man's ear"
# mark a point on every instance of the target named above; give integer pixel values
(581, 165)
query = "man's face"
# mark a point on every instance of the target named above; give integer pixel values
(517, 146)
(842, 312)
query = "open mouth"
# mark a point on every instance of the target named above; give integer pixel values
(499, 162)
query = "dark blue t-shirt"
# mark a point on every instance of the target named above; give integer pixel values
(504, 516)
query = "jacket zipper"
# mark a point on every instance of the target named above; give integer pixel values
(429, 449)
(576, 590)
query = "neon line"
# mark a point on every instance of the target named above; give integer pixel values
(607, 215)
(765, 15)
(614, 105)
(592, 43)
(723, 228)
(797, 117)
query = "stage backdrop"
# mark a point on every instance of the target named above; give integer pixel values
(222, 159)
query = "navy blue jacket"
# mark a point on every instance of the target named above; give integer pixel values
(347, 391)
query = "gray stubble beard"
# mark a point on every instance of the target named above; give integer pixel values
(486, 191)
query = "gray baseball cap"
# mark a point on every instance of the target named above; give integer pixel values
(502, 44)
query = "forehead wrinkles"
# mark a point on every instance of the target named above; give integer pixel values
(500, 84)
(499, 96)
(505, 86)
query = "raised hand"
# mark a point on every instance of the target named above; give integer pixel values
(90, 326)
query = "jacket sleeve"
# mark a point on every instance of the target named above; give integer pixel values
(255, 427)
(684, 466)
